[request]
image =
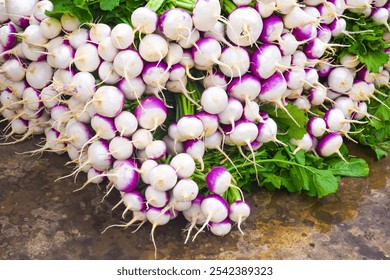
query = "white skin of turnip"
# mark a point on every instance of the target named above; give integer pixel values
(121, 148)
(215, 209)
(98, 32)
(107, 50)
(122, 36)
(206, 14)
(184, 165)
(86, 58)
(126, 123)
(141, 138)
(108, 101)
(163, 177)
(156, 198)
(214, 100)
(146, 166)
(185, 190)
(144, 20)
(50, 27)
(244, 26)
(190, 127)
(153, 48)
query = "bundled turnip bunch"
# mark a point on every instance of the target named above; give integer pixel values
(138, 105)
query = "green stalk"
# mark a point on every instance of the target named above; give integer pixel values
(228, 6)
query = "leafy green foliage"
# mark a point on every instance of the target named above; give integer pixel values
(288, 122)
(366, 41)
(107, 11)
(112, 11)
(278, 168)
(376, 134)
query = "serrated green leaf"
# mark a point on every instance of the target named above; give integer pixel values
(325, 182)
(373, 59)
(108, 5)
(356, 167)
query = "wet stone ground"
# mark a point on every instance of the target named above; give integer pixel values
(43, 219)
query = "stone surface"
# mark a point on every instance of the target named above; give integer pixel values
(44, 219)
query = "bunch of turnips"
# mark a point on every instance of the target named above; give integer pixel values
(182, 103)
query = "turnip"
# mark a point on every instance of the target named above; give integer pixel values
(176, 24)
(232, 113)
(306, 143)
(215, 79)
(157, 217)
(61, 56)
(146, 166)
(210, 122)
(272, 29)
(144, 20)
(272, 91)
(19, 12)
(86, 58)
(239, 211)
(206, 14)
(215, 208)
(106, 49)
(121, 148)
(83, 83)
(173, 147)
(8, 35)
(69, 23)
(163, 177)
(219, 180)
(268, 131)
(235, 61)
(50, 27)
(156, 198)
(141, 138)
(107, 73)
(151, 113)
(155, 74)
(183, 164)
(221, 228)
(190, 127)
(126, 123)
(14, 70)
(128, 64)
(297, 17)
(133, 89)
(108, 101)
(122, 36)
(381, 16)
(185, 190)
(40, 8)
(330, 144)
(194, 215)
(316, 126)
(156, 150)
(214, 100)
(98, 32)
(244, 26)
(153, 48)
(196, 149)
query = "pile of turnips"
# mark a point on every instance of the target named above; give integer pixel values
(101, 93)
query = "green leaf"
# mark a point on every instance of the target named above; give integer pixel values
(273, 179)
(325, 182)
(294, 122)
(108, 5)
(301, 178)
(356, 167)
(373, 59)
